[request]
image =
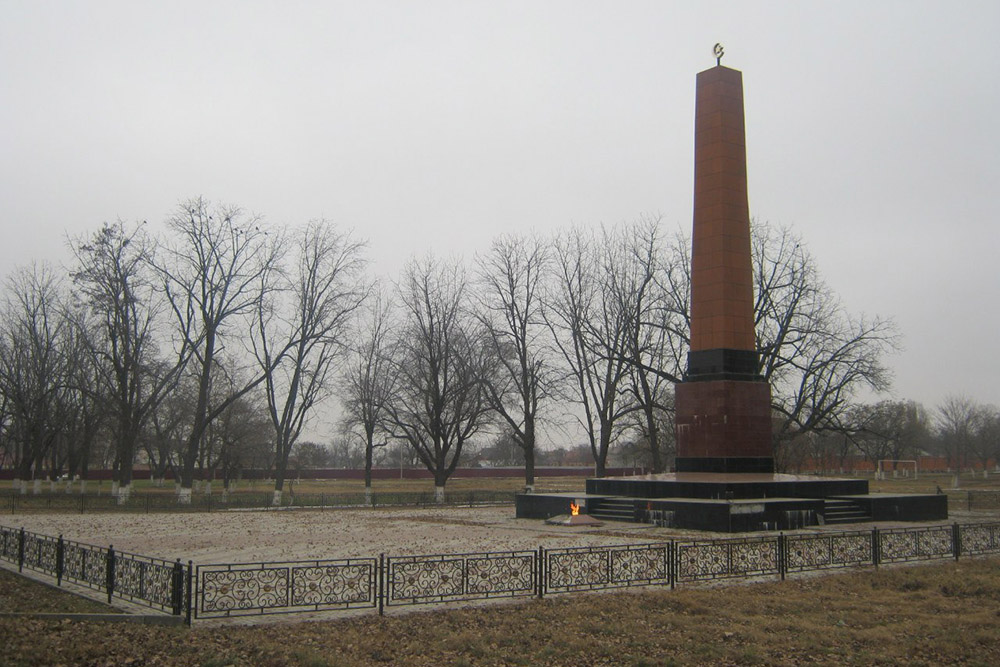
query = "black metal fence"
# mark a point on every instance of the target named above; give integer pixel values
(153, 582)
(166, 502)
(240, 589)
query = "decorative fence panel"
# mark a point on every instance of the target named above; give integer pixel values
(41, 553)
(86, 565)
(719, 559)
(982, 538)
(906, 544)
(146, 580)
(592, 568)
(447, 577)
(284, 587)
(827, 551)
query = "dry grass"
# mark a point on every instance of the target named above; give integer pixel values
(21, 594)
(925, 615)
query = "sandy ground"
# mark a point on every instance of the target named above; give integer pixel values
(272, 535)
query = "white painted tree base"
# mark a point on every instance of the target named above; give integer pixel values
(276, 499)
(439, 494)
(184, 496)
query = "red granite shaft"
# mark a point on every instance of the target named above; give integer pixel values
(721, 274)
(723, 408)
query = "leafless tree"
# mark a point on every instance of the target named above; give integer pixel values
(816, 356)
(590, 330)
(962, 424)
(511, 279)
(369, 382)
(890, 430)
(439, 360)
(216, 274)
(297, 347)
(34, 366)
(639, 281)
(113, 276)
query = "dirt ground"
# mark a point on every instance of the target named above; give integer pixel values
(272, 535)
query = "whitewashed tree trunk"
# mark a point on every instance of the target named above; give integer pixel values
(184, 496)
(69, 486)
(83, 486)
(114, 489)
(276, 500)
(208, 488)
(368, 495)
(52, 485)
(177, 488)
(439, 494)
(37, 487)
(124, 492)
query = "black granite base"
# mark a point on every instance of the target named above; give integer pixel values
(726, 464)
(733, 503)
(724, 487)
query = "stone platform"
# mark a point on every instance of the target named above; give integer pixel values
(735, 502)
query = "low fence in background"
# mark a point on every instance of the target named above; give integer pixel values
(241, 589)
(166, 502)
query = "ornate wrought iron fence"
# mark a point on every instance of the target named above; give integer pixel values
(449, 577)
(925, 543)
(243, 589)
(592, 568)
(149, 581)
(41, 554)
(726, 558)
(979, 538)
(822, 551)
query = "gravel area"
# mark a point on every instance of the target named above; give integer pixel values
(270, 535)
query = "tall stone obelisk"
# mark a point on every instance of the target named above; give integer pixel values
(723, 406)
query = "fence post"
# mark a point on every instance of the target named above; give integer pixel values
(782, 550)
(541, 572)
(956, 540)
(60, 560)
(672, 566)
(190, 578)
(177, 588)
(969, 500)
(110, 574)
(875, 548)
(20, 550)
(381, 584)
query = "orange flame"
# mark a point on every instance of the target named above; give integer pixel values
(574, 509)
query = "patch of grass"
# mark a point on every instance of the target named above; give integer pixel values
(22, 595)
(921, 615)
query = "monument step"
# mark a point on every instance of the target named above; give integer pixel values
(844, 511)
(613, 509)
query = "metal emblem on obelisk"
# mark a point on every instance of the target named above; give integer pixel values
(719, 52)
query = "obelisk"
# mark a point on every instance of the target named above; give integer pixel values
(723, 406)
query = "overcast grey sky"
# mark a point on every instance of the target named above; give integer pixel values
(871, 129)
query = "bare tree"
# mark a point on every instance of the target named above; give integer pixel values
(511, 278)
(958, 421)
(297, 348)
(369, 382)
(815, 355)
(890, 430)
(113, 277)
(439, 360)
(33, 366)
(590, 330)
(216, 275)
